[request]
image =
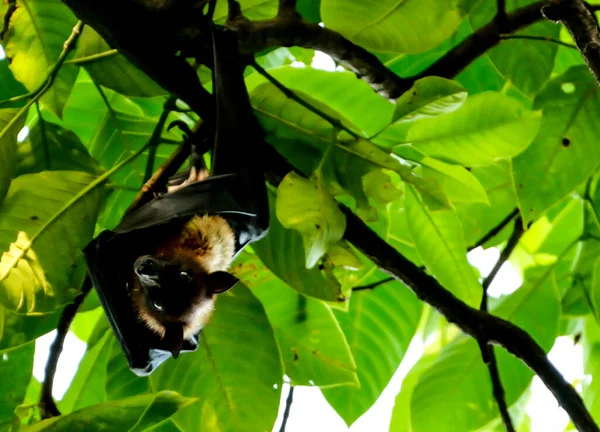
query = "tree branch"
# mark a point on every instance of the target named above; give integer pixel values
(487, 351)
(478, 324)
(288, 407)
(580, 20)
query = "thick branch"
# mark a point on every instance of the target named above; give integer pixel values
(581, 22)
(479, 324)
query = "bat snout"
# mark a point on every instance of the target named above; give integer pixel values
(147, 266)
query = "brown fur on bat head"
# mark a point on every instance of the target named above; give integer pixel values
(174, 296)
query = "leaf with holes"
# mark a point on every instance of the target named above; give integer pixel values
(565, 151)
(11, 122)
(235, 372)
(439, 239)
(409, 26)
(40, 212)
(289, 266)
(463, 398)
(39, 28)
(313, 348)
(312, 211)
(134, 414)
(487, 127)
(429, 97)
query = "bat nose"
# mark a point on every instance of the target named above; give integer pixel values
(146, 266)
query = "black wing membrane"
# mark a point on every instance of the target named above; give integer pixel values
(235, 190)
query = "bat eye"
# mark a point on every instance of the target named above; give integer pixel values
(185, 276)
(157, 306)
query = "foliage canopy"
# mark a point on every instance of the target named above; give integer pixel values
(431, 172)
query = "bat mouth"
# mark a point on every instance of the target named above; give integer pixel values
(148, 271)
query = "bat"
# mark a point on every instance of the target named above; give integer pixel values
(158, 272)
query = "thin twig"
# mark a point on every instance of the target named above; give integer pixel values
(538, 38)
(155, 138)
(372, 285)
(288, 407)
(45, 147)
(487, 351)
(496, 230)
(12, 7)
(47, 405)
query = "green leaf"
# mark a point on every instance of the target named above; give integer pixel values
(379, 327)
(311, 343)
(10, 87)
(137, 413)
(388, 25)
(303, 137)
(11, 122)
(51, 147)
(439, 239)
(455, 393)
(487, 127)
(459, 184)
(478, 219)
(39, 28)
(87, 387)
(429, 97)
(112, 71)
(85, 322)
(120, 381)
(290, 266)
(111, 134)
(251, 9)
(17, 363)
(16, 329)
(312, 211)
(564, 153)
(40, 212)
(235, 373)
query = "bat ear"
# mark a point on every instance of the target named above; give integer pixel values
(174, 338)
(220, 281)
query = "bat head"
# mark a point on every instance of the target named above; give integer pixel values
(175, 296)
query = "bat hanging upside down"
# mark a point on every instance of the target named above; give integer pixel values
(174, 288)
(159, 271)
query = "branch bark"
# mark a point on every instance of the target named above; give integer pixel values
(581, 22)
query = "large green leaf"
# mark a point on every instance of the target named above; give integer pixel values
(87, 387)
(16, 329)
(289, 266)
(11, 121)
(312, 211)
(112, 71)
(120, 380)
(565, 151)
(51, 147)
(379, 327)
(252, 9)
(303, 137)
(487, 127)
(39, 28)
(19, 361)
(525, 63)
(478, 219)
(440, 241)
(10, 87)
(455, 393)
(429, 97)
(236, 372)
(391, 25)
(349, 100)
(45, 220)
(311, 343)
(137, 413)
(112, 128)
